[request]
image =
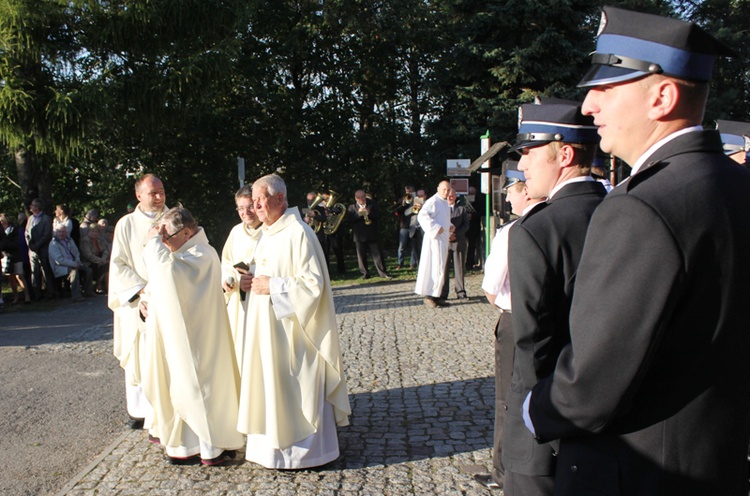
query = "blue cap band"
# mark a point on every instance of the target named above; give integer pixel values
(514, 174)
(566, 133)
(673, 61)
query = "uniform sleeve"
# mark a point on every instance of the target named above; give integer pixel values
(629, 256)
(533, 321)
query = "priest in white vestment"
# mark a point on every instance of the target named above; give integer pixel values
(192, 378)
(293, 392)
(127, 279)
(239, 249)
(435, 220)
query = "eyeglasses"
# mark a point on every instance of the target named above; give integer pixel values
(248, 208)
(173, 235)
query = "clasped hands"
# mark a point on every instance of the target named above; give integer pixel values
(257, 284)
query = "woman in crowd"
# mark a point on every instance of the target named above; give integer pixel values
(95, 253)
(12, 261)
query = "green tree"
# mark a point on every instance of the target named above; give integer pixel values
(44, 103)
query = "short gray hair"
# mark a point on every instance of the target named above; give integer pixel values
(178, 218)
(273, 184)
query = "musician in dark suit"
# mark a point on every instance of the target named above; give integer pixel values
(38, 236)
(457, 248)
(316, 217)
(363, 217)
(652, 395)
(557, 146)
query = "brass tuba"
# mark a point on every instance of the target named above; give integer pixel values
(315, 223)
(336, 214)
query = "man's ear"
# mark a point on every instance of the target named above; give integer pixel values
(566, 154)
(663, 96)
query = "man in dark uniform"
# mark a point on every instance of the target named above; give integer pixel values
(496, 286)
(557, 145)
(652, 395)
(736, 138)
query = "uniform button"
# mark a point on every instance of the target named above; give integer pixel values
(505, 407)
(574, 468)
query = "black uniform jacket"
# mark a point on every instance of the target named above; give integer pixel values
(544, 250)
(653, 394)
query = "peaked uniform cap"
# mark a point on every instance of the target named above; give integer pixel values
(512, 174)
(633, 44)
(735, 135)
(562, 122)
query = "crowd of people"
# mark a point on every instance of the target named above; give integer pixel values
(45, 257)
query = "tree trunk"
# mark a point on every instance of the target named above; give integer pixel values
(33, 179)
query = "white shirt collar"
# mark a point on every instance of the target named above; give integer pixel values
(642, 159)
(579, 179)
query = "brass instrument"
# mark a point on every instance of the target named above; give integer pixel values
(368, 220)
(336, 214)
(315, 223)
(417, 205)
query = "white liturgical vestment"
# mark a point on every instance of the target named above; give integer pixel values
(127, 276)
(434, 214)
(293, 392)
(191, 379)
(239, 247)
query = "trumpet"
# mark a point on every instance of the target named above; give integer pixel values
(368, 220)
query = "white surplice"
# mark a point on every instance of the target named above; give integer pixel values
(191, 378)
(293, 392)
(239, 247)
(434, 214)
(127, 276)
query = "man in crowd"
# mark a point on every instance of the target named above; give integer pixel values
(291, 343)
(236, 259)
(127, 279)
(435, 220)
(652, 395)
(403, 213)
(496, 286)
(192, 377)
(363, 217)
(66, 263)
(557, 146)
(415, 231)
(457, 246)
(38, 237)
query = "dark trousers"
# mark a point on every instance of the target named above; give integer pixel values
(503, 371)
(416, 244)
(457, 257)
(377, 259)
(41, 274)
(404, 244)
(336, 244)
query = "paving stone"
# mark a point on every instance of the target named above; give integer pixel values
(422, 393)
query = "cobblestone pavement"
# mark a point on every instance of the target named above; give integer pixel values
(421, 388)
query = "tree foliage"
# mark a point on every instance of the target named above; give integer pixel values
(334, 94)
